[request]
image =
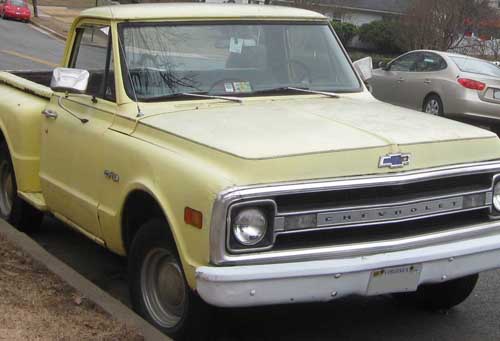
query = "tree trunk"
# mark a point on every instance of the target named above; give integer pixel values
(35, 8)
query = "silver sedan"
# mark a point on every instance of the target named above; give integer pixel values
(441, 83)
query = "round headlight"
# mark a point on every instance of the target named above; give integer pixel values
(496, 196)
(250, 226)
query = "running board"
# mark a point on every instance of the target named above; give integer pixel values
(35, 199)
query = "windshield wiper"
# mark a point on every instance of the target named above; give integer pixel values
(200, 95)
(305, 90)
(325, 93)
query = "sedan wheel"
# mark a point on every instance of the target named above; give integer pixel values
(433, 106)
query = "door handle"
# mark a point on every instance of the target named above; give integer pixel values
(428, 81)
(49, 114)
(401, 80)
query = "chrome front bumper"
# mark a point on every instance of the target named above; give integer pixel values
(325, 280)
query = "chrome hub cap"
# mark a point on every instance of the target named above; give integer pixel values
(163, 289)
(432, 107)
(7, 189)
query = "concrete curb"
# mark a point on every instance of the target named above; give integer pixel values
(49, 31)
(109, 304)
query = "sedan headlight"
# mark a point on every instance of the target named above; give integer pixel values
(496, 196)
(250, 226)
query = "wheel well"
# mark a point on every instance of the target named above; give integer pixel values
(429, 95)
(139, 208)
(2, 137)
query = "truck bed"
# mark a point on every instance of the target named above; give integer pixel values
(23, 96)
(32, 82)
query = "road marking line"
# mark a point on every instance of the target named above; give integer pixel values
(33, 59)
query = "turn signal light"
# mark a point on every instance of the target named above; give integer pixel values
(471, 84)
(193, 217)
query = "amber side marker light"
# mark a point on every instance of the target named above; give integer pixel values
(193, 217)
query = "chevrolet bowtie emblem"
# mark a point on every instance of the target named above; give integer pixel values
(394, 160)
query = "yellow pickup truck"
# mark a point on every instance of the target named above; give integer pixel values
(235, 156)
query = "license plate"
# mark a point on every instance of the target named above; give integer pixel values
(396, 279)
(496, 95)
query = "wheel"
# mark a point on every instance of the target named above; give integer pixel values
(12, 208)
(158, 288)
(433, 105)
(441, 296)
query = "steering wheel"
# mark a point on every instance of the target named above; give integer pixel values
(225, 80)
(306, 72)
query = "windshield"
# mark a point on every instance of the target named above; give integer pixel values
(18, 3)
(476, 66)
(232, 59)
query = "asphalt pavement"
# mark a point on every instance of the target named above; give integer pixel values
(354, 318)
(24, 47)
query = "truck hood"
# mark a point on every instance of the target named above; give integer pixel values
(300, 126)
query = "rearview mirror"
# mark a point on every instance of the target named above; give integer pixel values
(70, 80)
(364, 67)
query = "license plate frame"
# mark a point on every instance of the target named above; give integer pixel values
(394, 279)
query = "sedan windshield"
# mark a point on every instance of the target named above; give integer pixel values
(168, 60)
(476, 66)
(18, 3)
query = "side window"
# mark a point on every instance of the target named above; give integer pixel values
(406, 63)
(92, 52)
(430, 62)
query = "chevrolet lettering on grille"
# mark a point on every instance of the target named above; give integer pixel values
(401, 212)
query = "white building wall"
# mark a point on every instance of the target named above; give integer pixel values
(360, 18)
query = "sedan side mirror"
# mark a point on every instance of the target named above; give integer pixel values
(364, 67)
(70, 80)
(383, 65)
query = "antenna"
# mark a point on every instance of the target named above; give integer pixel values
(120, 43)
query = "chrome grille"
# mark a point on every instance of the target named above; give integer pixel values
(429, 202)
(357, 215)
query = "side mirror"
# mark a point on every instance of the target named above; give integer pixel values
(70, 80)
(364, 67)
(383, 65)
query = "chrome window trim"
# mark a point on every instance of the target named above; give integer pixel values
(226, 198)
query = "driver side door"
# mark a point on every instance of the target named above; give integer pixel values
(72, 164)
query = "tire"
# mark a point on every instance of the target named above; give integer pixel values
(441, 296)
(12, 208)
(153, 259)
(433, 105)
